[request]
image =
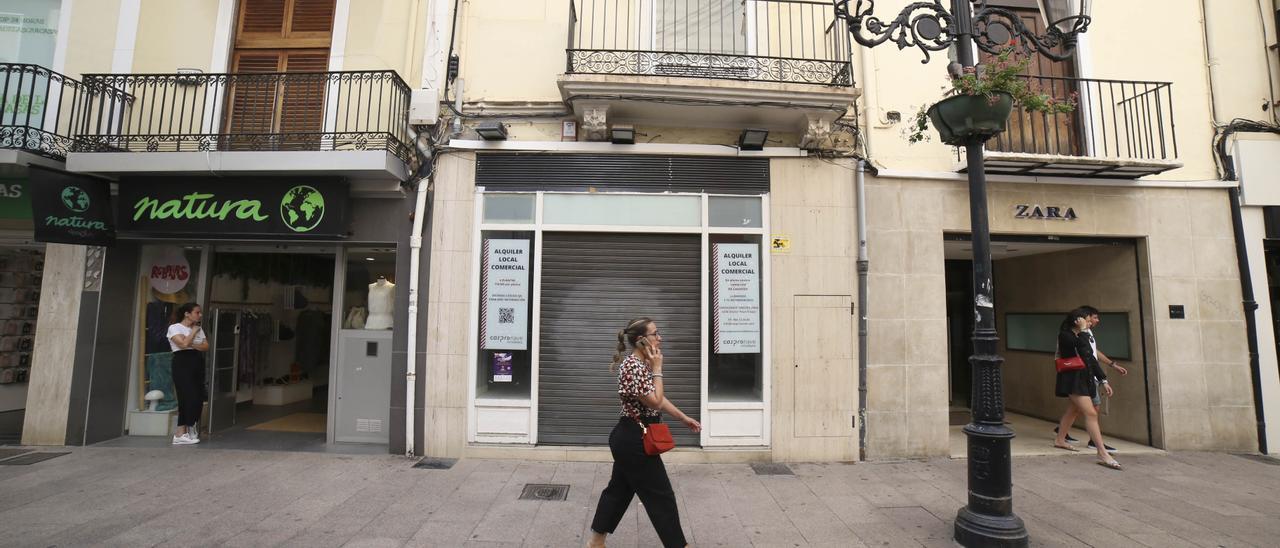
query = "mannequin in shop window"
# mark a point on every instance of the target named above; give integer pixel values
(381, 296)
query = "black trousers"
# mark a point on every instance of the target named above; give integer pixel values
(188, 382)
(635, 473)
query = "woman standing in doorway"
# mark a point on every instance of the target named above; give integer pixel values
(187, 340)
(640, 386)
(1078, 386)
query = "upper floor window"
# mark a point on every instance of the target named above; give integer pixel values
(29, 31)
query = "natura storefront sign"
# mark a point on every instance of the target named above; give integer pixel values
(210, 207)
(70, 209)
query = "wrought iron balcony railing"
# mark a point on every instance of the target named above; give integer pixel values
(1113, 119)
(277, 111)
(41, 109)
(789, 41)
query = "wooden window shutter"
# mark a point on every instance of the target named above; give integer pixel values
(302, 101)
(280, 24)
(263, 17)
(253, 100)
(311, 16)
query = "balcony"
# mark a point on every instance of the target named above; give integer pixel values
(1120, 130)
(41, 110)
(337, 123)
(775, 64)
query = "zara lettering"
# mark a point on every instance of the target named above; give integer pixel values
(1047, 213)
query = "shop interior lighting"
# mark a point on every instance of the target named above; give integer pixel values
(753, 139)
(492, 131)
(622, 134)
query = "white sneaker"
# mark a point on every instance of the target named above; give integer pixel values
(185, 439)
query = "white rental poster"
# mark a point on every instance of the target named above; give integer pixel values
(504, 306)
(736, 298)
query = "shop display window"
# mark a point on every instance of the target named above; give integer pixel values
(370, 283)
(21, 271)
(505, 342)
(170, 278)
(735, 368)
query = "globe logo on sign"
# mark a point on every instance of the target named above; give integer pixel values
(75, 198)
(302, 208)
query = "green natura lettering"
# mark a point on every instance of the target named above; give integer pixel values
(198, 206)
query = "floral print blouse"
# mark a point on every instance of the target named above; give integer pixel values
(634, 380)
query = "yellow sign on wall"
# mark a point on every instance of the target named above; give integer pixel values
(780, 244)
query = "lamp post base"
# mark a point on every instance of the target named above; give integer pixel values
(984, 530)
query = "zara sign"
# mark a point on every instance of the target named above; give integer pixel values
(1044, 213)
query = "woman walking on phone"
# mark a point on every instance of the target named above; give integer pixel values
(187, 340)
(640, 386)
(1078, 386)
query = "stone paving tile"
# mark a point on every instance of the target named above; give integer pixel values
(166, 496)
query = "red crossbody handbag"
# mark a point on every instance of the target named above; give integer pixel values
(1074, 363)
(657, 438)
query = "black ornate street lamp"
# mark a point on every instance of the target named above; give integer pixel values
(988, 519)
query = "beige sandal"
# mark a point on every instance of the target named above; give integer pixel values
(1112, 464)
(1067, 447)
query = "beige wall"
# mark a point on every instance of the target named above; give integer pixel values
(1198, 365)
(92, 37)
(52, 367)
(1106, 277)
(449, 306)
(512, 51)
(813, 204)
(174, 34)
(386, 34)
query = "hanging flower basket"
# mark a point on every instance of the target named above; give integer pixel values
(961, 117)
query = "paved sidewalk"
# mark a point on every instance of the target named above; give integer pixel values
(173, 496)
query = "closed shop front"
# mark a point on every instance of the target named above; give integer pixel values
(569, 248)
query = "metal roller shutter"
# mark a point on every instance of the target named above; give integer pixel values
(592, 284)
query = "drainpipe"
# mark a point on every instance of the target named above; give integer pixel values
(864, 266)
(415, 264)
(1250, 319)
(411, 367)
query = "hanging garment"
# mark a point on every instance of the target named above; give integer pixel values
(247, 339)
(158, 314)
(160, 377)
(312, 350)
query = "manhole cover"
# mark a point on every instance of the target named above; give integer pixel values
(435, 464)
(31, 458)
(1261, 458)
(544, 491)
(772, 470)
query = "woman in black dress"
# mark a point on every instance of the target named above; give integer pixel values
(1078, 386)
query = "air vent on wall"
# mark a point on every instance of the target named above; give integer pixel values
(369, 425)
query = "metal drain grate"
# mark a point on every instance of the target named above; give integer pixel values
(544, 491)
(772, 470)
(435, 464)
(6, 453)
(1261, 458)
(31, 458)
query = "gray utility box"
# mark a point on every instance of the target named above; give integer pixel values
(362, 406)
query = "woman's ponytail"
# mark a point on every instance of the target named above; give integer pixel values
(622, 349)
